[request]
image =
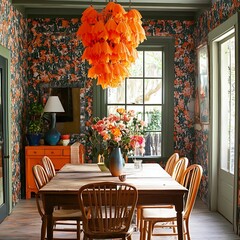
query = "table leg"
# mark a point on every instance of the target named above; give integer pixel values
(179, 224)
(49, 227)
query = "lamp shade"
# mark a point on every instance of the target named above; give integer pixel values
(53, 105)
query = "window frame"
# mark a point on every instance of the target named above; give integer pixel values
(100, 97)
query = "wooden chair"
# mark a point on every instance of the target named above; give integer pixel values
(49, 167)
(179, 166)
(167, 216)
(179, 169)
(60, 216)
(172, 160)
(110, 209)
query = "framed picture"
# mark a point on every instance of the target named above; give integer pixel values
(65, 96)
(203, 84)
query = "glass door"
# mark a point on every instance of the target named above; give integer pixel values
(4, 158)
(227, 127)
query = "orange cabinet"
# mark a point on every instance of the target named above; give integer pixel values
(60, 155)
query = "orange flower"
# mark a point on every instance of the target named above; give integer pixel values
(116, 132)
(121, 111)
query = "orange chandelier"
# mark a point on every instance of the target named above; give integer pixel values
(110, 38)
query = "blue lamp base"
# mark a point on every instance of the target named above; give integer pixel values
(52, 137)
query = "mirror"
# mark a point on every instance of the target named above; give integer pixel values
(69, 121)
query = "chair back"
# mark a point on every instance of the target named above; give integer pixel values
(180, 168)
(40, 176)
(110, 208)
(41, 179)
(172, 160)
(191, 180)
(49, 167)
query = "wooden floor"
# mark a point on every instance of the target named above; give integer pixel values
(24, 224)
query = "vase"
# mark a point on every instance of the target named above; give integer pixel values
(107, 159)
(116, 162)
(34, 138)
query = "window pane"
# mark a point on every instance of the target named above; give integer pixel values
(134, 91)
(113, 109)
(153, 64)
(138, 110)
(153, 118)
(228, 105)
(136, 69)
(116, 95)
(153, 142)
(153, 91)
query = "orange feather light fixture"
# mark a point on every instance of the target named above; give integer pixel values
(110, 38)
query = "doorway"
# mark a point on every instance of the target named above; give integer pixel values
(4, 138)
(227, 128)
(223, 164)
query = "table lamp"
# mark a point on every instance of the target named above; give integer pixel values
(53, 106)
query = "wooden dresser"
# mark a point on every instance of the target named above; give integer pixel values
(60, 155)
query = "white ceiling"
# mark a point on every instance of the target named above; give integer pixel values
(167, 8)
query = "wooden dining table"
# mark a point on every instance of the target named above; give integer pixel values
(154, 186)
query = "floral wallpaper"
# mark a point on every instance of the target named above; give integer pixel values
(220, 11)
(54, 58)
(13, 36)
(184, 82)
(187, 34)
(46, 52)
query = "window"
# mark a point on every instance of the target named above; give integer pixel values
(228, 128)
(203, 86)
(148, 91)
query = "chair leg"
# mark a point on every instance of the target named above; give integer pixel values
(78, 230)
(186, 226)
(43, 228)
(140, 222)
(150, 230)
(139, 211)
(144, 230)
(174, 228)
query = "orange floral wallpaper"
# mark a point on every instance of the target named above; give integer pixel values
(45, 51)
(13, 36)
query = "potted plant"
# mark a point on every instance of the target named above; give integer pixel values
(35, 125)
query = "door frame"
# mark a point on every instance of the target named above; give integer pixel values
(4, 52)
(213, 132)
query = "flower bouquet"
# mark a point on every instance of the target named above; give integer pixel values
(121, 130)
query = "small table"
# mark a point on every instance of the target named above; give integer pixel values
(154, 186)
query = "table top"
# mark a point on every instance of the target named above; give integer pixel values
(152, 177)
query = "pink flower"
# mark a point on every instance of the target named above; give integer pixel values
(131, 113)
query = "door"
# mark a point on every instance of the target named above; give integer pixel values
(227, 133)
(4, 158)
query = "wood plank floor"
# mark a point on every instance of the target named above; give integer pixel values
(24, 224)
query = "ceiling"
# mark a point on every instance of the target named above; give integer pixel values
(186, 9)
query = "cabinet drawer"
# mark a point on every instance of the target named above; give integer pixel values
(53, 152)
(35, 152)
(66, 151)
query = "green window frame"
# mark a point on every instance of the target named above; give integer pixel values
(100, 101)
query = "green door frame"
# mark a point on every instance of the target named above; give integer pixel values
(7, 126)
